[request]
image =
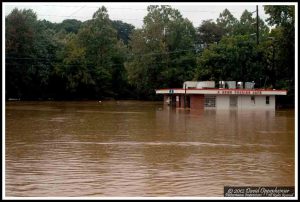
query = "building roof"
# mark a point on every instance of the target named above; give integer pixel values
(217, 91)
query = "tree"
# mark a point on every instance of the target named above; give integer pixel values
(99, 38)
(209, 32)
(19, 34)
(124, 30)
(73, 68)
(227, 22)
(92, 61)
(162, 51)
(30, 50)
(283, 17)
(247, 26)
(234, 58)
(69, 25)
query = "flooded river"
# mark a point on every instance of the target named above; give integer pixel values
(132, 148)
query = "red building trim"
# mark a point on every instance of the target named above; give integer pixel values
(222, 89)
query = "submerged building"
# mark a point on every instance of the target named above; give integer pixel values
(229, 94)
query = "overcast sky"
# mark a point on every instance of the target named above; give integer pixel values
(132, 13)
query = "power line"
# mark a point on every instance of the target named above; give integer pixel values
(52, 62)
(88, 65)
(77, 11)
(138, 9)
(168, 52)
(48, 5)
(181, 11)
(121, 8)
(87, 16)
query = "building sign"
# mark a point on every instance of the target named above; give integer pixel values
(239, 92)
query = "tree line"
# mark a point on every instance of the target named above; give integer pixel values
(105, 59)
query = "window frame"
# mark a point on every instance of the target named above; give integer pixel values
(210, 101)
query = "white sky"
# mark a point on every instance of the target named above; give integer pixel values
(132, 13)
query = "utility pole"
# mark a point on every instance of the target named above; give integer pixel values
(257, 25)
(273, 72)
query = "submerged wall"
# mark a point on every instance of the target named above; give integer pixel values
(259, 102)
(197, 101)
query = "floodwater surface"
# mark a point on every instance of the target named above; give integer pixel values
(131, 148)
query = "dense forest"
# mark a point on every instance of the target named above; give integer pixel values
(106, 59)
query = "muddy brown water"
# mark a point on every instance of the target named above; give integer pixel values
(132, 148)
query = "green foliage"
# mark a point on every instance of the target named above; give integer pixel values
(209, 32)
(234, 58)
(69, 26)
(124, 30)
(74, 68)
(247, 26)
(101, 58)
(283, 73)
(92, 61)
(281, 15)
(30, 50)
(227, 22)
(162, 51)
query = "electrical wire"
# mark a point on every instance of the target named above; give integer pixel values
(138, 9)
(131, 54)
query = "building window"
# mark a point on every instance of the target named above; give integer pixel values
(253, 99)
(233, 101)
(267, 100)
(210, 101)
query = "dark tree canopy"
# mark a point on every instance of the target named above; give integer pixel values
(209, 32)
(70, 25)
(124, 30)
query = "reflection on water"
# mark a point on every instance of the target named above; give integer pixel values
(133, 148)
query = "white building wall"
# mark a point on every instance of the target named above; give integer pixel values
(262, 102)
(245, 102)
(222, 101)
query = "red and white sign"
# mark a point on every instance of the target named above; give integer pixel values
(223, 91)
